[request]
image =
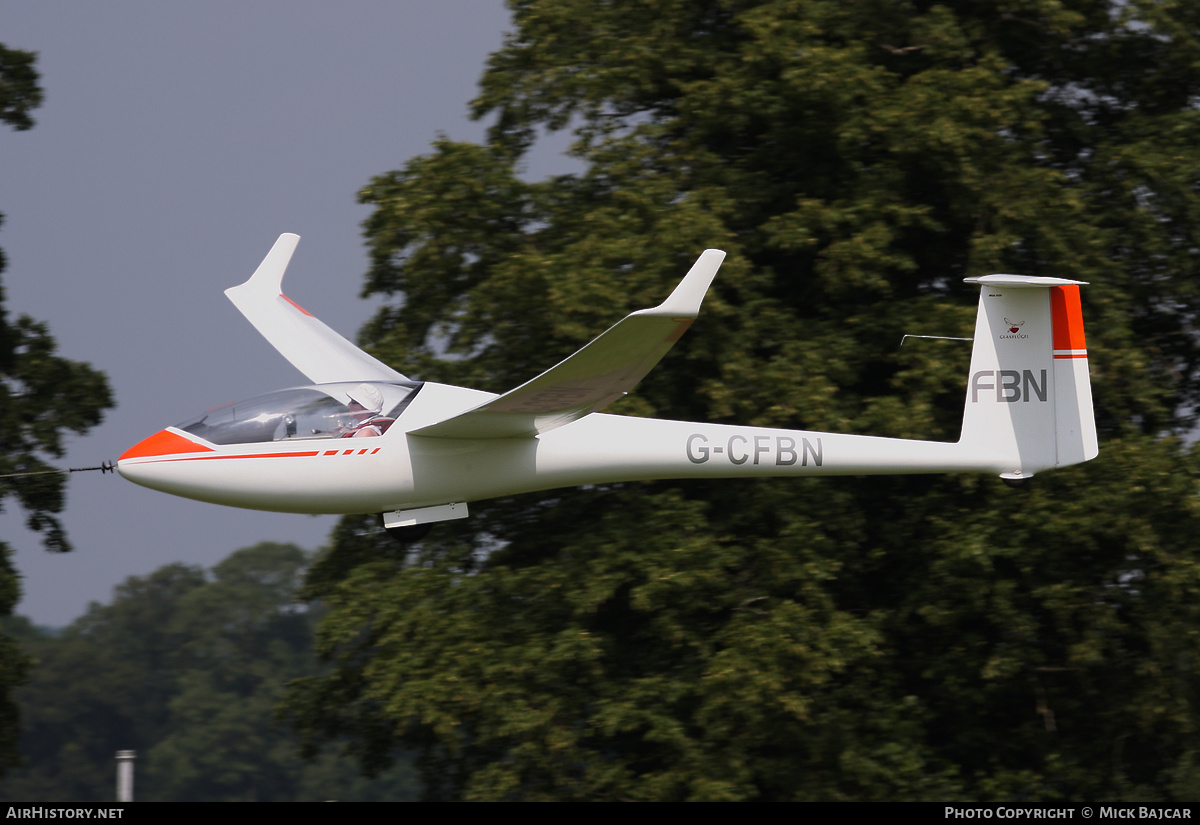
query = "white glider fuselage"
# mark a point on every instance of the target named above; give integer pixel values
(1028, 408)
(401, 471)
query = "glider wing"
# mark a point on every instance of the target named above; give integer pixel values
(595, 376)
(311, 347)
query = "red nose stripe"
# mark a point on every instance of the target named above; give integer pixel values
(164, 442)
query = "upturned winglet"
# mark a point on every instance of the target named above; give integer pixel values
(310, 346)
(684, 301)
(603, 371)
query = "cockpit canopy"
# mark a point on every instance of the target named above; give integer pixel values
(318, 411)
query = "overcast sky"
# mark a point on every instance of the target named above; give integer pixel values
(177, 141)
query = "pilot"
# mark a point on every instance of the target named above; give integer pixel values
(366, 407)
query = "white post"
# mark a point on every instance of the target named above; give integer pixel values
(125, 775)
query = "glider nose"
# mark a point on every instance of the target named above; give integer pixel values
(139, 462)
(162, 443)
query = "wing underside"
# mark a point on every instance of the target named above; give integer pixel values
(310, 346)
(603, 371)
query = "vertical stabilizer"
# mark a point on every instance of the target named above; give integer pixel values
(1029, 397)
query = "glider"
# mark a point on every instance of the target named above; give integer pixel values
(362, 438)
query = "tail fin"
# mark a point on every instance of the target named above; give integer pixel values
(1029, 397)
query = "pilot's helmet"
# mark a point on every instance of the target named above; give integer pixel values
(368, 396)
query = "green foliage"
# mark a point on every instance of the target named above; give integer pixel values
(19, 90)
(186, 669)
(42, 395)
(885, 638)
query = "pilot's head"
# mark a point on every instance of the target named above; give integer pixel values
(367, 398)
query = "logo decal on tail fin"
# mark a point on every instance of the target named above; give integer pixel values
(1014, 329)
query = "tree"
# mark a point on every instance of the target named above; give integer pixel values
(244, 639)
(42, 396)
(883, 638)
(102, 685)
(185, 666)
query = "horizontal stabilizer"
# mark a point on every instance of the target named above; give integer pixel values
(1022, 281)
(597, 375)
(310, 346)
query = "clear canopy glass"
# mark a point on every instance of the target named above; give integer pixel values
(319, 411)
